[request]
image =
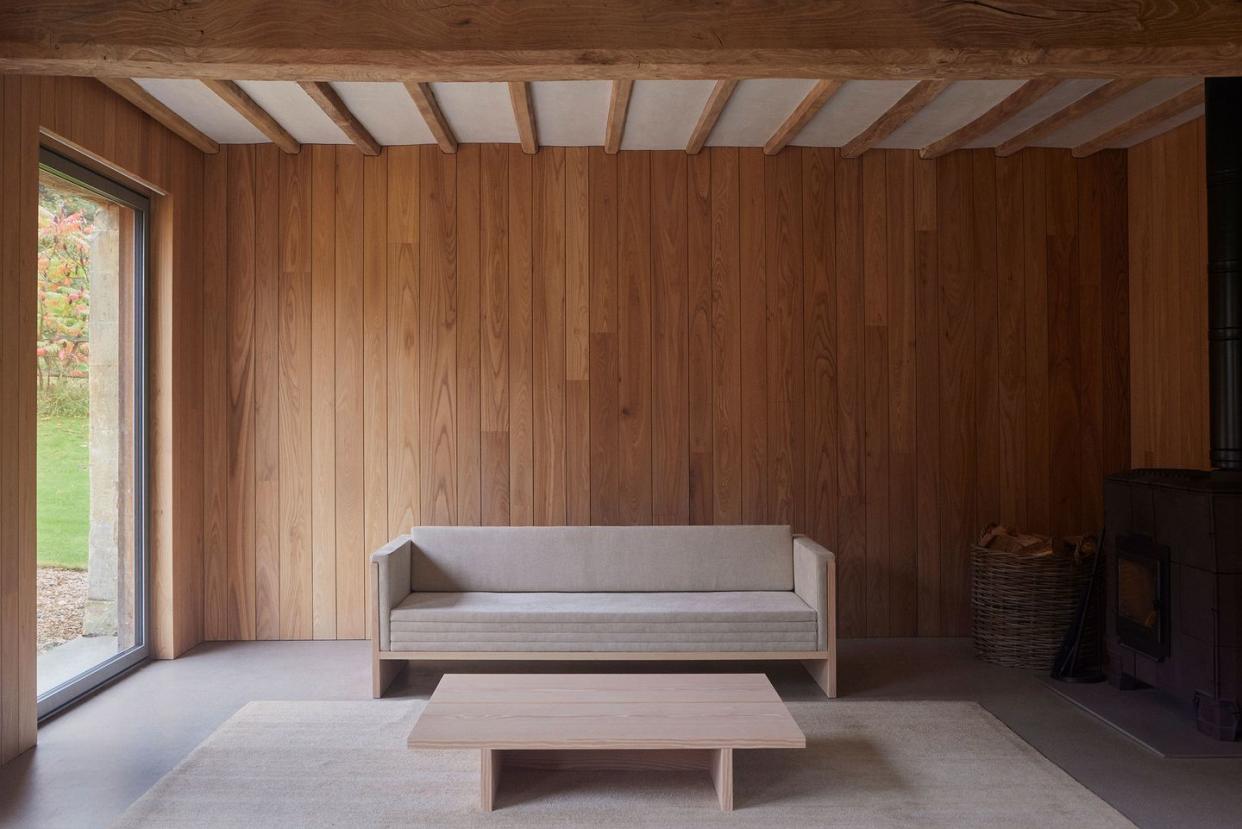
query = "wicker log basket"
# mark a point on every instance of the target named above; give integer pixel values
(1024, 592)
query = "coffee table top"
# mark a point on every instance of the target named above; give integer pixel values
(605, 711)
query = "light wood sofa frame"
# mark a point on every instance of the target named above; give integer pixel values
(386, 666)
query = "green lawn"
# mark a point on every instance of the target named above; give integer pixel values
(63, 491)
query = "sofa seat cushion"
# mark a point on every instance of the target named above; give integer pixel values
(720, 621)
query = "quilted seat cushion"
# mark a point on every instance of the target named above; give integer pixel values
(697, 621)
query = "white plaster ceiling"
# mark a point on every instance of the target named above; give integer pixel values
(662, 113)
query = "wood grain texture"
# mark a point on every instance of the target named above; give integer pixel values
(544, 40)
(909, 105)
(148, 103)
(1168, 294)
(1047, 126)
(853, 346)
(349, 367)
(812, 102)
(1013, 103)
(240, 258)
(716, 101)
(1145, 120)
(215, 398)
(267, 392)
(248, 108)
(524, 115)
(328, 100)
(618, 109)
(425, 99)
(670, 401)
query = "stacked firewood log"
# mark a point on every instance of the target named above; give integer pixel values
(1002, 538)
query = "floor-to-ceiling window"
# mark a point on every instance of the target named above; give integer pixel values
(90, 457)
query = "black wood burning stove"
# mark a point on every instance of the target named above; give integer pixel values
(1174, 536)
(1141, 582)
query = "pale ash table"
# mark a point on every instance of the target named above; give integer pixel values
(606, 721)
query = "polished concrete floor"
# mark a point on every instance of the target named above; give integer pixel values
(96, 759)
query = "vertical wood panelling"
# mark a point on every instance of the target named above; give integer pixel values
(323, 391)
(875, 370)
(851, 346)
(726, 339)
(215, 398)
(469, 495)
(1168, 295)
(577, 338)
(634, 328)
(437, 375)
(753, 336)
(267, 392)
(604, 340)
(851, 546)
(494, 334)
(819, 341)
(350, 443)
(295, 388)
(902, 353)
(402, 333)
(374, 363)
(240, 261)
(670, 402)
(548, 336)
(521, 394)
(699, 358)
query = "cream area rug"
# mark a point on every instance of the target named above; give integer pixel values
(867, 764)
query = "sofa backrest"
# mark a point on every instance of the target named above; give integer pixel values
(602, 559)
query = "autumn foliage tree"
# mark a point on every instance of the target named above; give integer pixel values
(66, 231)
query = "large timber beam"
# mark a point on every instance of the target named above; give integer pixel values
(412, 40)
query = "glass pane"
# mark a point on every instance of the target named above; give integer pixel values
(85, 454)
(1136, 592)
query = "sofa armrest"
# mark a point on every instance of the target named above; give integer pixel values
(815, 571)
(392, 564)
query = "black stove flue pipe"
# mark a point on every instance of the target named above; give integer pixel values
(1223, 126)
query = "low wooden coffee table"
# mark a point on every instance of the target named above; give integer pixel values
(612, 721)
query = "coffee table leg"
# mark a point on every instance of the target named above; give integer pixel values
(722, 777)
(489, 777)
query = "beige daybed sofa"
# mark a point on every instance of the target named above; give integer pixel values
(604, 593)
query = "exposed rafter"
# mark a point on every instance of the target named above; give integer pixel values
(618, 108)
(330, 102)
(148, 103)
(1089, 102)
(1177, 105)
(524, 114)
(1013, 103)
(803, 112)
(425, 99)
(472, 40)
(919, 96)
(721, 92)
(236, 97)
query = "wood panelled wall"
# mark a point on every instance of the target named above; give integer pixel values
(886, 353)
(1169, 299)
(84, 119)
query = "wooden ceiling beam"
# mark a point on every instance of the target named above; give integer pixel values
(803, 112)
(1013, 103)
(322, 93)
(618, 108)
(1087, 103)
(1177, 105)
(472, 40)
(524, 114)
(131, 91)
(919, 96)
(425, 99)
(236, 97)
(721, 93)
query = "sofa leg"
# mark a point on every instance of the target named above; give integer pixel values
(383, 673)
(824, 672)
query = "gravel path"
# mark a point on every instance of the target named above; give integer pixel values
(62, 602)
